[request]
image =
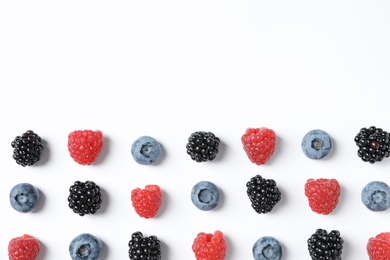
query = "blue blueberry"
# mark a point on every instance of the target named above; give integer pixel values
(85, 247)
(146, 150)
(24, 197)
(205, 195)
(267, 248)
(316, 144)
(376, 196)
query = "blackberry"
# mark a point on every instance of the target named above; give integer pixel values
(145, 248)
(27, 148)
(84, 197)
(263, 194)
(373, 144)
(325, 246)
(202, 146)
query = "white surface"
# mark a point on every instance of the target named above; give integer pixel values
(169, 68)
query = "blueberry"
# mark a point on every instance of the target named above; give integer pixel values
(146, 150)
(205, 195)
(376, 196)
(24, 197)
(85, 247)
(316, 144)
(267, 248)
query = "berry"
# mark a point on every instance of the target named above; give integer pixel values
(323, 195)
(146, 150)
(203, 146)
(147, 248)
(208, 246)
(316, 144)
(147, 201)
(84, 197)
(376, 196)
(259, 144)
(27, 148)
(85, 247)
(373, 144)
(205, 195)
(24, 197)
(325, 246)
(85, 145)
(25, 247)
(378, 248)
(267, 248)
(263, 194)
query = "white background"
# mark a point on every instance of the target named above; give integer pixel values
(168, 68)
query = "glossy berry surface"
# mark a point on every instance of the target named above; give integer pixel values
(207, 246)
(146, 150)
(145, 248)
(147, 201)
(85, 247)
(27, 148)
(203, 146)
(205, 195)
(325, 246)
(376, 196)
(373, 144)
(323, 194)
(263, 194)
(25, 247)
(316, 144)
(85, 145)
(84, 197)
(24, 197)
(378, 247)
(259, 144)
(267, 248)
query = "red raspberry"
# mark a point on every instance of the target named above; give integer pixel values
(259, 144)
(25, 247)
(146, 202)
(209, 246)
(378, 248)
(85, 145)
(323, 195)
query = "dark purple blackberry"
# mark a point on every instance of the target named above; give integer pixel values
(144, 248)
(202, 146)
(373, 144)
(84, 197)
(263, 194)
(27, 148)
(325, 246)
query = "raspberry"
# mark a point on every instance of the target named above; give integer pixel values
(373, 144)
(147, 201)
(263, 194)
(378, 248)
(84, 197)
(208, 246)
(325, 246)
(27, 148)
(140, 247)
(202, 146)
(259, 144)
(85, 145)
(323, 195)
(25, 247)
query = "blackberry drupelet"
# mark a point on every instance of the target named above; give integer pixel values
(325, 246)
(373, 143)
(145, 248)
(263, 194)
(27, 148)
(203, 146)
(84, 197)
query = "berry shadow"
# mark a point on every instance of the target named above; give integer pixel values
(221, 152)
(221, 200)
(42, 251)
(164, 204)
(105, 251)
(104, 203)
(161, 157)
(230, 248)
(164, 251)
(42, 199)
(283, 201)
(104, 152)
(45, 154)
(278, 148)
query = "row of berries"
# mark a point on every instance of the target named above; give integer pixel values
(322, 245)
(258, 143)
